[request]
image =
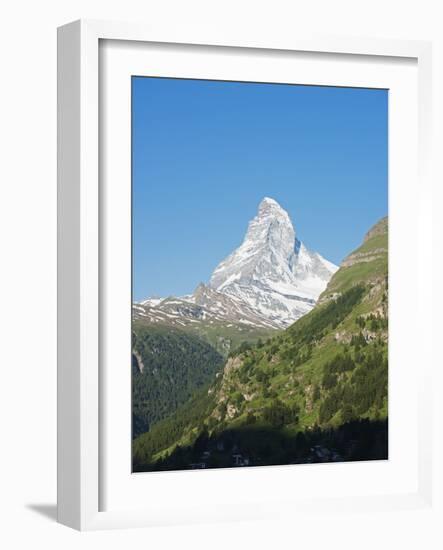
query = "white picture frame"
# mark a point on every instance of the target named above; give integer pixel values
(80, 263)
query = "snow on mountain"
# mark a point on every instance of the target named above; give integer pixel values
(272, 271)
(270, 280)
(205, 305)
(151, 302)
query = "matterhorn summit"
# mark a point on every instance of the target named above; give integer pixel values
(270, 280)
(272, 271)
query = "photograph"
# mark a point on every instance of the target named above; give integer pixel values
(259, 274)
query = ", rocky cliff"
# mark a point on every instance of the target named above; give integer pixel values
(317, 391)
(270, 281)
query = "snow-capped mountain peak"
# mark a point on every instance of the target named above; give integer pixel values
(271, 279)
(267, 249)
(272, 271)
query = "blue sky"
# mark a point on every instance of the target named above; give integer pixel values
(206, 152)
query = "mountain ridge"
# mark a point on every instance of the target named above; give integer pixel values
(269, 281)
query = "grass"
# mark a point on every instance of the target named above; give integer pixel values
(345, 278)
(375, 243)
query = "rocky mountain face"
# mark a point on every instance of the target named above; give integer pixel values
(318, 390)
(272, 271)
(269, 281)
(205, 305)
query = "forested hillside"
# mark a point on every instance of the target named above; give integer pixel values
(168, 366)
(315, 392)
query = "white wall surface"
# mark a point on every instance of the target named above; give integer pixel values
(28, 264)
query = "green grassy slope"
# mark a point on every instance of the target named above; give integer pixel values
(313, 382)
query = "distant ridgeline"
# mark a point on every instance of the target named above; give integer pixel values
(314, 392)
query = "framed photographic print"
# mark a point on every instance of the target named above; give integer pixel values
(225, 372)
(242, 291)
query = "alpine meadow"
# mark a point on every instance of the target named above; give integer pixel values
(262, 350)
